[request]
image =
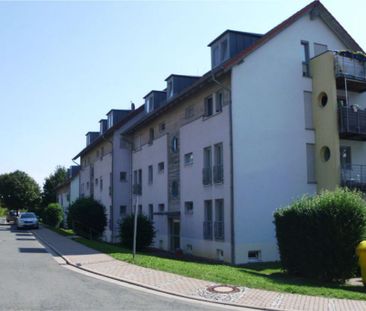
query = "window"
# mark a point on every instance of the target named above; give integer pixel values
(224, 50)
(308, 108)
(101, 184)
(188, 207)
(150, 174)
(254, 255)
(175, 189)
(208, 106)
(170, 89)
(345, 157)
(161, 127)
(219, 164)
(319, 48)
(188, 158)
(207, 166)
(161, 207)
(215, 55)
(174, 144)
(149, 104)
(110, 120)
(151, 135)
(220, 254)
(189, 249)
(310, 163)
(122, 210)
(219, 219)
(207, 223)
(161, 167)
(219, 101)
(151, 212)
(123, 176)
(96, 181)
(306, 59)
(189, 112)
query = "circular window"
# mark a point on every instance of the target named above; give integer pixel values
(174, 144)
(325, 153)
(323, 99)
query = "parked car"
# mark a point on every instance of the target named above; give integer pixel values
(11, 216)
(27, 220)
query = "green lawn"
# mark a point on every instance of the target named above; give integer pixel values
(261, 275)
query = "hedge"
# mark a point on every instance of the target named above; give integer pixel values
(53, 215)
(317, 236)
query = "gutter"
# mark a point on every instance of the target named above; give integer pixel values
(232, 223)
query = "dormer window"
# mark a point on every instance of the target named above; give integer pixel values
(224, 50)
(149, 104)
(110, 120)
(170, 89)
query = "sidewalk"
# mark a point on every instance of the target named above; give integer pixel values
(93, 261)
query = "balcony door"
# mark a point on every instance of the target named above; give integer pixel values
(346, 159)
(174, 228)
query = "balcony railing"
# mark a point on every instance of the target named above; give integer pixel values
(352, 123)
(207, 230)
(218, 171)
(137, 189)
(207, 176)
(354, 176)
(350, 65)
(219, 230)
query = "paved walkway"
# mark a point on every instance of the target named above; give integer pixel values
(93, 261)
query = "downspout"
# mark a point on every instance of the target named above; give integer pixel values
(232, 231)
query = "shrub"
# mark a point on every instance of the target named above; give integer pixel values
(145, 232)
(317, 236)
(87, 218)
(53, 215)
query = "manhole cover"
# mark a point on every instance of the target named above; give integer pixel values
(223, 289)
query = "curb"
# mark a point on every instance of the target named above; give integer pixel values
(151, 287)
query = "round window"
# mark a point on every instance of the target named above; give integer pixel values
(325, 153)
(323, 99)
(174, 144)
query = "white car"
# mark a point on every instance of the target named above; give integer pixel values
(27, 220)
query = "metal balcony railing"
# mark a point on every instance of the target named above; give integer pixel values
(219, 230)
(354, 176)
(207, 176)
(207, 230)
(352, 122)
(137, 189)
(350, 65)
(218, 171)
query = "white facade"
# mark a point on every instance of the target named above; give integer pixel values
(269, 135)
(74, 188)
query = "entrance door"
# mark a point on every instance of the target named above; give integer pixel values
(174, 234)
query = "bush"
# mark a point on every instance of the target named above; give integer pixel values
(53, 215)
(317, 236)
(87, 218)
(145, 232)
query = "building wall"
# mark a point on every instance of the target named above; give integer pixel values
(63, 198)
(74, 188)
(269, 136)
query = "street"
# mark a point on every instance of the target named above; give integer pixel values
(31, 279)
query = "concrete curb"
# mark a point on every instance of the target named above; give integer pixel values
(152, 287)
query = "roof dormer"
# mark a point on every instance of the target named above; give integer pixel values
(177, 83)
(103, 126)
(114, 116)
(154, 100)
(90, 137)
(230, 43)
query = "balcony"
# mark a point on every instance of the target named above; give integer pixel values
(352, 123)
(136, 189)
(219, 230)
(207, 230)
(218, 174)
(354, 177)
(207, 176)
(350, 71)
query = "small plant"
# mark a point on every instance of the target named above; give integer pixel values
(87, 218)
(145, 232)
(53, 215)
(317, 236)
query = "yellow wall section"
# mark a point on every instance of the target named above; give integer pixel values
(325, 122)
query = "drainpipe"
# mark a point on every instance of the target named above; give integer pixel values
(232, 231)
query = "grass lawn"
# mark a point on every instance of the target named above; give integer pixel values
(260, 275)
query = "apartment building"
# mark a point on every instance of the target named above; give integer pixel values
(213, 161)
(105, 167)
(210, 158)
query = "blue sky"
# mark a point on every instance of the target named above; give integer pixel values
(64, 65)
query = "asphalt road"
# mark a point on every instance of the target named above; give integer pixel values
(31, 279)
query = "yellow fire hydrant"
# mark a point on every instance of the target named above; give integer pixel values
(361, 253)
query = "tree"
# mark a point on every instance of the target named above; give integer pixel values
(49, 194)
(53, 215)
(87, 217)
(19, 191)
